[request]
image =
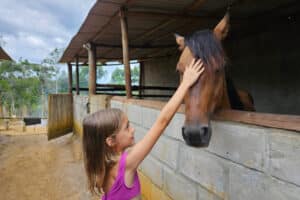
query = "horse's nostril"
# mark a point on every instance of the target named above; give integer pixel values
(195, 135)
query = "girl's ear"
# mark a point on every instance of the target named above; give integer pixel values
(110, 141)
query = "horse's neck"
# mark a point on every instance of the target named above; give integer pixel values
(225, 104)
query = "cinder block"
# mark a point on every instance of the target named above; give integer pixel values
(240, 143)
(285, 155)
(150, 191)
(134, 113)
(149, 116)
(153, 169)
(145, 186)
(116, 104)
(177, 187)
(208, 170)
(98, 102)
(166, 150)
(204, 194)
(175, 126)
(140, 132)
(157, 193)
(249, 184)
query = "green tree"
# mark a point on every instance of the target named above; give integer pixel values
(118, 76)
(84, 75)
(52, 61)
(20, 86)
(135, 75)
(63, 82)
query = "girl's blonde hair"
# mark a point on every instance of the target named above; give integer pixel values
(97, 155)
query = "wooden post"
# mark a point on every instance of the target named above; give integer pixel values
(1, 111)
(125, 49)
(91, 48)
(77, 76)
(70, 77)
(141, 78)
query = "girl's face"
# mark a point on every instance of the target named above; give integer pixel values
(125, 137)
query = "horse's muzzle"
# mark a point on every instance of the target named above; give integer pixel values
(196, 135)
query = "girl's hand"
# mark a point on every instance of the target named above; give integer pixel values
(192, 72)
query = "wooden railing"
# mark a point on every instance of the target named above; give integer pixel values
(286, 122)
(119, 90)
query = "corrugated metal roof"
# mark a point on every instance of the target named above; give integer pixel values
(151, 23)
(4, 55)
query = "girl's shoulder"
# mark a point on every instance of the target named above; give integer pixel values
(127, 151)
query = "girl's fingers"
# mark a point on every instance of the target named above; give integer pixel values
(192, 62)
(201, 66)
(195, 64)
(201, 70)
(198, 65)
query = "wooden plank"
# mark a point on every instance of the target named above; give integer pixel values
(136, 46)
(195, 5)
(120, 58)
(77, 76)
(286, 122)
(125, 48)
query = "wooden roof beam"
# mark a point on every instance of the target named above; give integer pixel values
(135, 46)
(167, 15)
(120, 59)
(195, 5)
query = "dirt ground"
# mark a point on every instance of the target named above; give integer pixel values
(33, 168)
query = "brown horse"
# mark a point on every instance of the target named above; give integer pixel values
(213, 90)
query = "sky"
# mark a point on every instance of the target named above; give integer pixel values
(31, 29)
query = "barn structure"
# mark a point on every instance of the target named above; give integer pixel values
(251, 155)
(4, 55)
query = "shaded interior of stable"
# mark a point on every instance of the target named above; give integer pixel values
(262, 46)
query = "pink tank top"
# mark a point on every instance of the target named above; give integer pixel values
(119, 191)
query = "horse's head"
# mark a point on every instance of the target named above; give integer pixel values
(207, 94)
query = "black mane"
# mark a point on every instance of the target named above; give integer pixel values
(207, 47)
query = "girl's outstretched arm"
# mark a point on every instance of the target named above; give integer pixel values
(142, 148)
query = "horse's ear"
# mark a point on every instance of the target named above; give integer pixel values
(222, 28)
(179, 41)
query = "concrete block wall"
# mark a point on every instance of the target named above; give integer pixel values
(80, 111)
(242, 162)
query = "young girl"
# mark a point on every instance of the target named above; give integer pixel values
(107, 134)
